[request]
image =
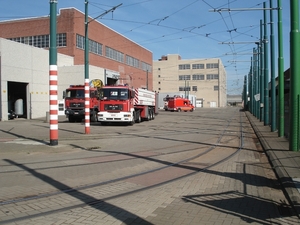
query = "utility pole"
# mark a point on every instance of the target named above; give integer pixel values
(86, 73)
(294, 79)
(272, 67)
(86, 67)
(262, 73)
(280, 73)
(266, 71)
(53, 109)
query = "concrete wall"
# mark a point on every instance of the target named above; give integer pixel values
(30, 65)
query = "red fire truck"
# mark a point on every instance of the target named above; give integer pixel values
(121, 103)
(75, 101)
(178, 104)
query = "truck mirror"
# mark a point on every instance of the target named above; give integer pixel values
(64, 94)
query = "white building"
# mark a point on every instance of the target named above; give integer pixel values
(24, 76)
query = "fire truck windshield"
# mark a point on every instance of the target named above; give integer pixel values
(75, 93)
(114, 94)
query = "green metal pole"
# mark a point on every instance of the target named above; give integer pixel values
(53, 78)
(294, 79)
(254, 83)
(251, 88)
(86, 72)
(258, 81)
(245, 92)
(250, 84)
(266, 72)
(272, 67)
(280, 73)
(262, 69)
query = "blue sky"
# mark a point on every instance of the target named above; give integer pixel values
(187, 28)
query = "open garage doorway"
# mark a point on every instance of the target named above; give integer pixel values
(17, 98)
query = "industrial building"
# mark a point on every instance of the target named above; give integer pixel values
(24, 61)
(203, 78)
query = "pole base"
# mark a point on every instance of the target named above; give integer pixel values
(53, 142)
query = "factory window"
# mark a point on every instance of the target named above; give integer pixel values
(212, 65)
(42, 41)
(194, 88)
(146, 66)
(131, 61)
(216, 88)
(198, 77)
(184, 88)
(212, 77)
(184, 77)
(198, 66)
(94, 46)
(114, 54)
(184, 66)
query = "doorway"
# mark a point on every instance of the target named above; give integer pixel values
(17, 98)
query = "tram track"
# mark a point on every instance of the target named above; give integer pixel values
(166, 164)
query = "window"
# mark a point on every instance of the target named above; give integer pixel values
(146, 67)
(61, 40)
(184, 88)
(158, 82)
(212, 65)
(194, 88)
(94, 46)
(184, 77)
(131, 61)
(79, 41)
(114, 54)
(184, 66)
(198, 66)
(216, 88)
(42, 41)
(158, 75)
(198, 77)
(212, 77)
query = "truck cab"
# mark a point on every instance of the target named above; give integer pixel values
(75, 103)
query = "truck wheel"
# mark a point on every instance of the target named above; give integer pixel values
(94, 117)
(149, 115)
(179, 110)
(138, 117)
(153, 115)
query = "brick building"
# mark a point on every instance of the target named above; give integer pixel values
(24, 61)
(123, 59)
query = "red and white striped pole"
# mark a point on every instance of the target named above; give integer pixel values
(87, 106)
(86, 73)
(53, 104)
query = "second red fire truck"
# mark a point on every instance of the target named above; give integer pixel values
(120, 103)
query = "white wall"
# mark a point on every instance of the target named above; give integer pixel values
(27, 64)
